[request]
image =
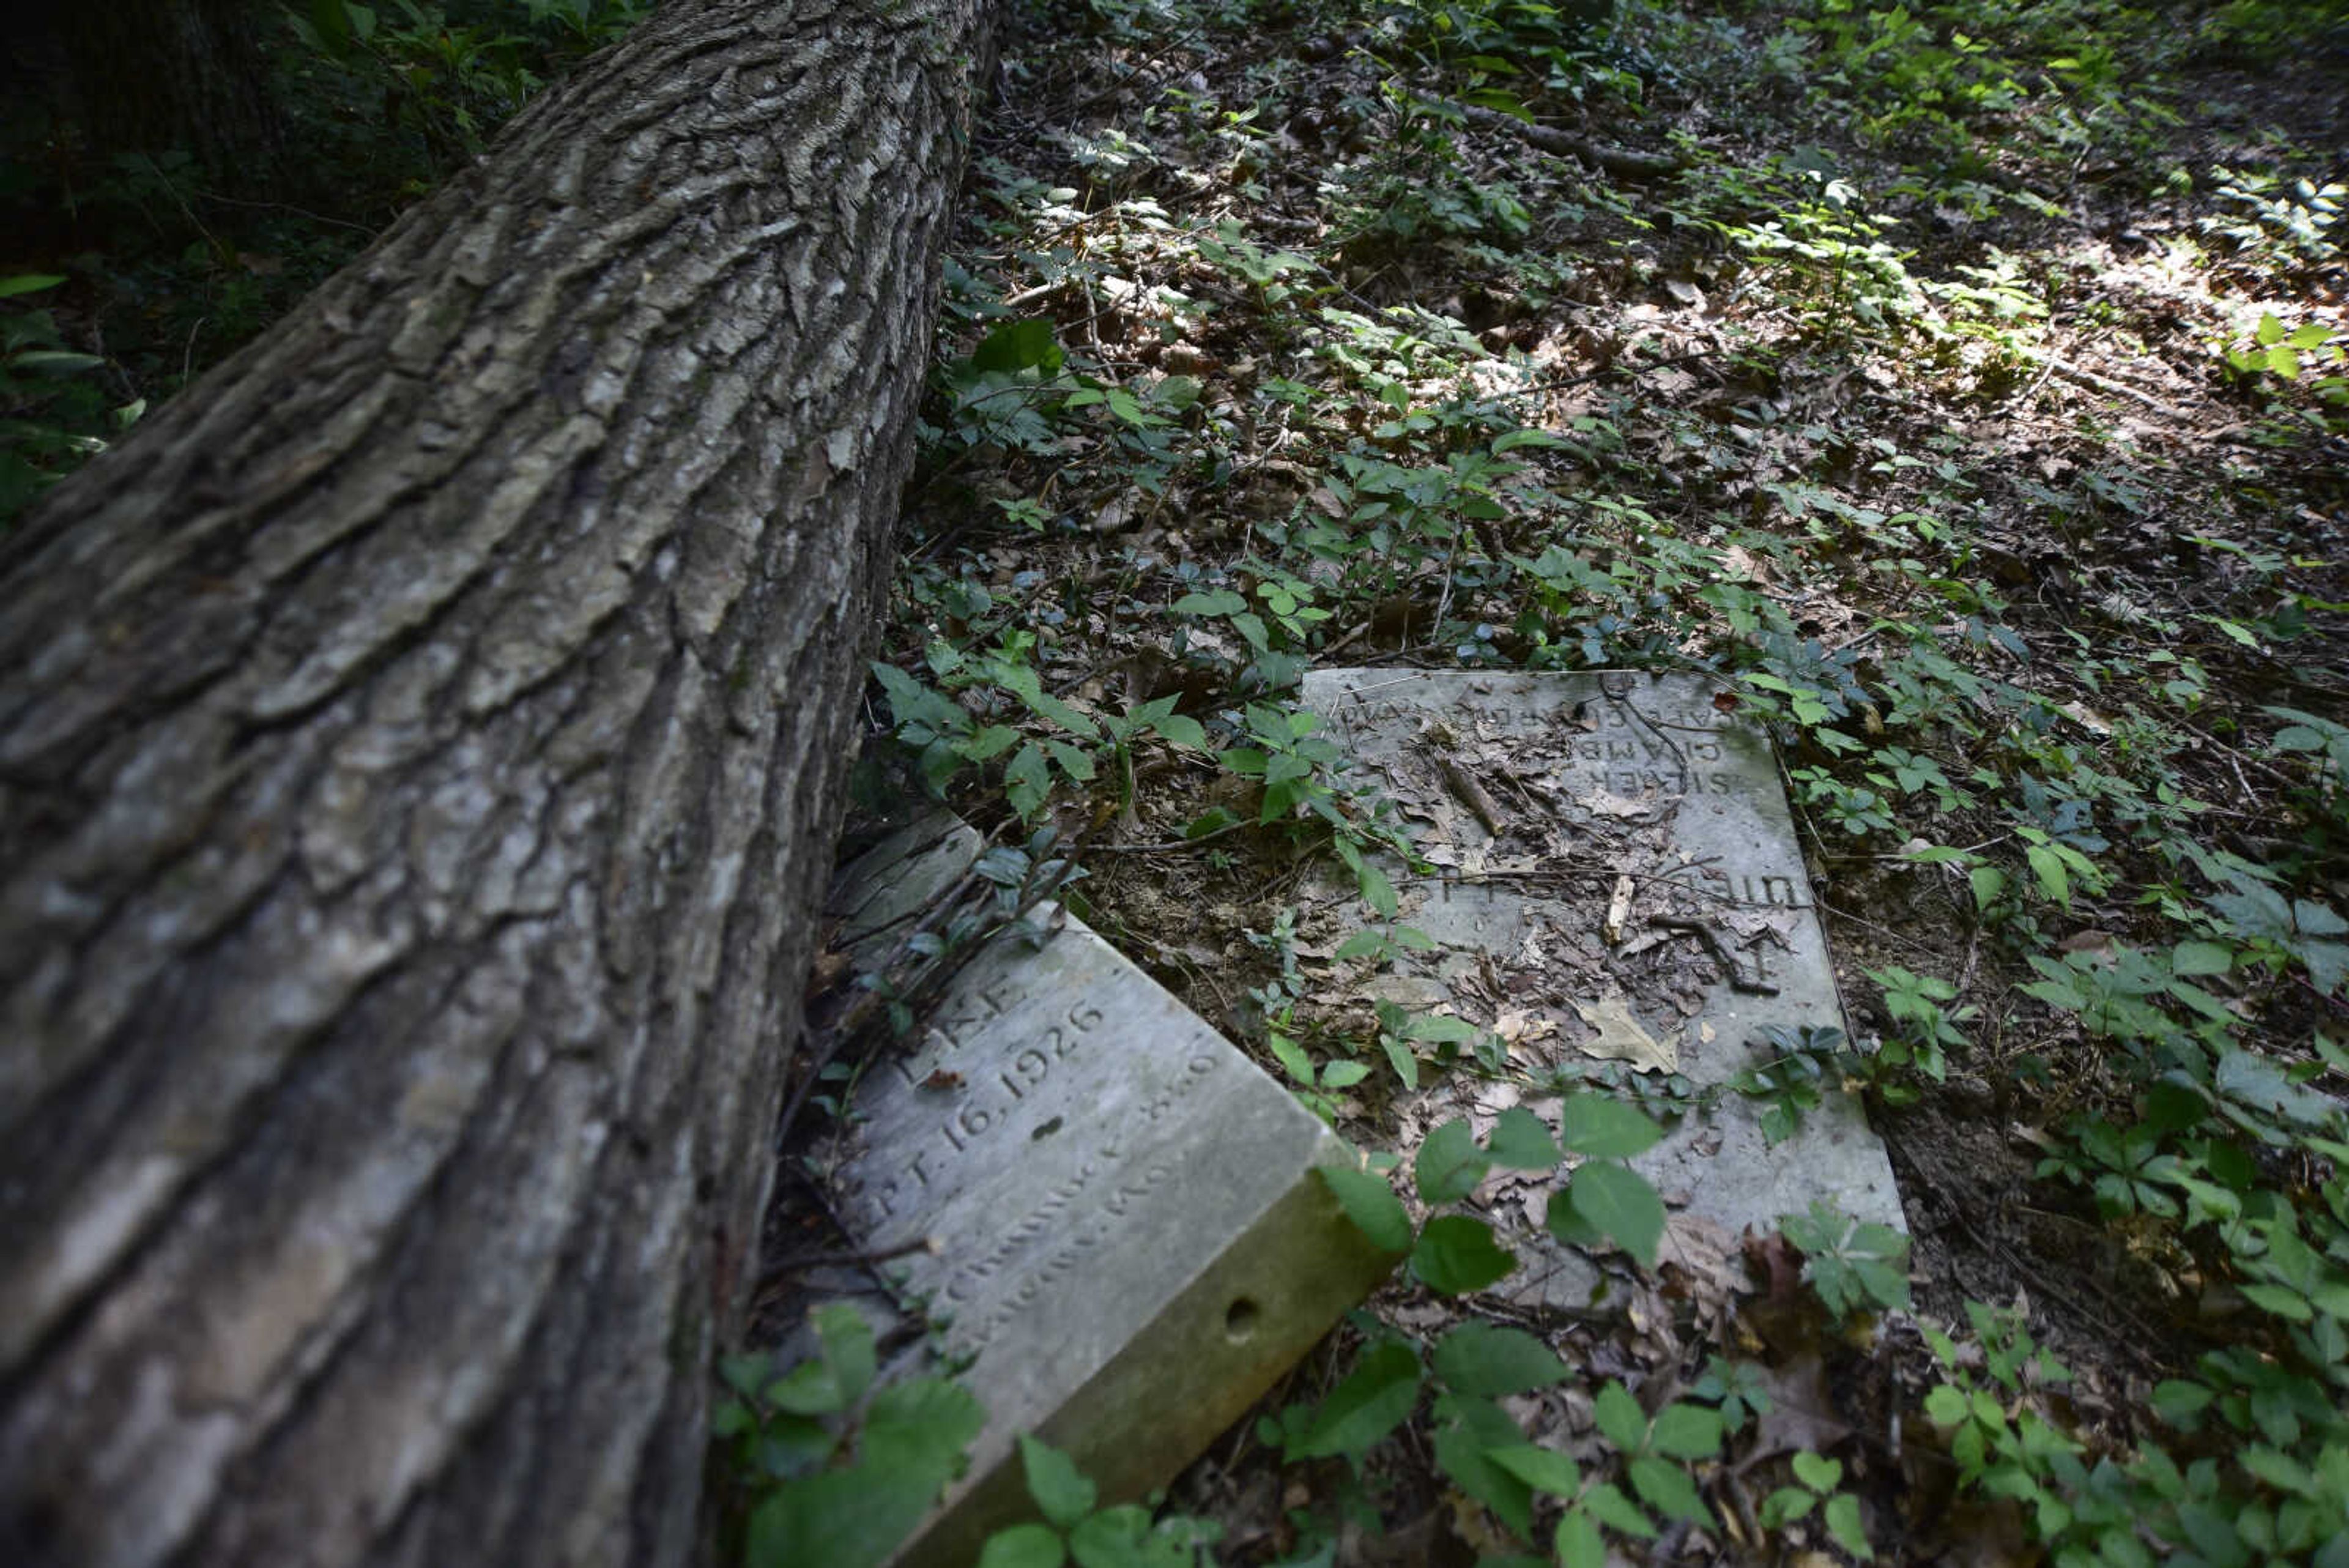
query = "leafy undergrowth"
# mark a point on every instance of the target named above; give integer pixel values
(1963, 385)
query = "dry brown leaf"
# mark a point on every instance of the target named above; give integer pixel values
(1622, 1038)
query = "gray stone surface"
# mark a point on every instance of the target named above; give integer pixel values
(1593, 779)
(1134, 1246)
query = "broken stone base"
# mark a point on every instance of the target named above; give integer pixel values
(1617, 878)
(1132, 1243)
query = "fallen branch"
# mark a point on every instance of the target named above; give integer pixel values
(1620, 161)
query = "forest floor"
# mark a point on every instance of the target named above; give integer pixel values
(1961, 385)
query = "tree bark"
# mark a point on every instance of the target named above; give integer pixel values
(420, 747)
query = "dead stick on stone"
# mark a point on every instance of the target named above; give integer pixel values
(1618, 910)
(1720, 953)
(1475, 796)
(800, 1262)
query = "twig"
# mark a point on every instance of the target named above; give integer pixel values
(1620, 161)
(800, 1262)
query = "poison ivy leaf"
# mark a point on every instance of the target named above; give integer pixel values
(1618, 1202)
(1371, 1204)
(1457, 1254)
(1376, 1399)
(1449, 1164)
(1487, 1360)
(1604, 1127)
(1063, 1492)
(1520, 1142)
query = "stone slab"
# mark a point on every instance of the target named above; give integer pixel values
(1592, 778)
(1134, 1246)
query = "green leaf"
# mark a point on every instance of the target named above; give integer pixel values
(1945, 1405)
(844, 1519)
(1612, 1508)
(29, 282)
(1371, 1204)
(1061, 1490)
(837, 1375)
(1669, 1489)
(1362, 945)
(1292, 1058)
(922, 1424)
(1686, 1432)
(1377, 1398)
(1438, 1029)
(1376, 891)
(1619, 1418)
(1449, 1164)
(1519, 1141)
(1461, 1452)
(1182, 730)
(1487, 1360)
(2181, 1403)
(2055, 881)
(1023, 1546)
(1578, 1542)
(1457, 1254)
(1121, 1537)
(1544, 1469)
(1028, 780)
(1216, 601)
(2202, 958)
(1602, 1126)
(1844, 1523)
(1076, 763)
(1619, 1203)
(1343, 1074)
(1016, 346)
(1817, 1471)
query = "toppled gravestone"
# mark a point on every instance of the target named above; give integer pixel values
(1132, 1243)
(1616, 878)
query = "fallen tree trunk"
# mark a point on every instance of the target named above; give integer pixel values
(419, 751)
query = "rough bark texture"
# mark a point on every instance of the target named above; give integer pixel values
(418, 754)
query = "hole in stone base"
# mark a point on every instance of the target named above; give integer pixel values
(1239, 1321)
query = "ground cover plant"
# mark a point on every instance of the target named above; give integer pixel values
(1961, 385)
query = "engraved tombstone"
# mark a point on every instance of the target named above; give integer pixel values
(1132, 1245)
(1616, 878)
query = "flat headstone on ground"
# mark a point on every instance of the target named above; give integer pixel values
(1134, 1244)
(1643, 899)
